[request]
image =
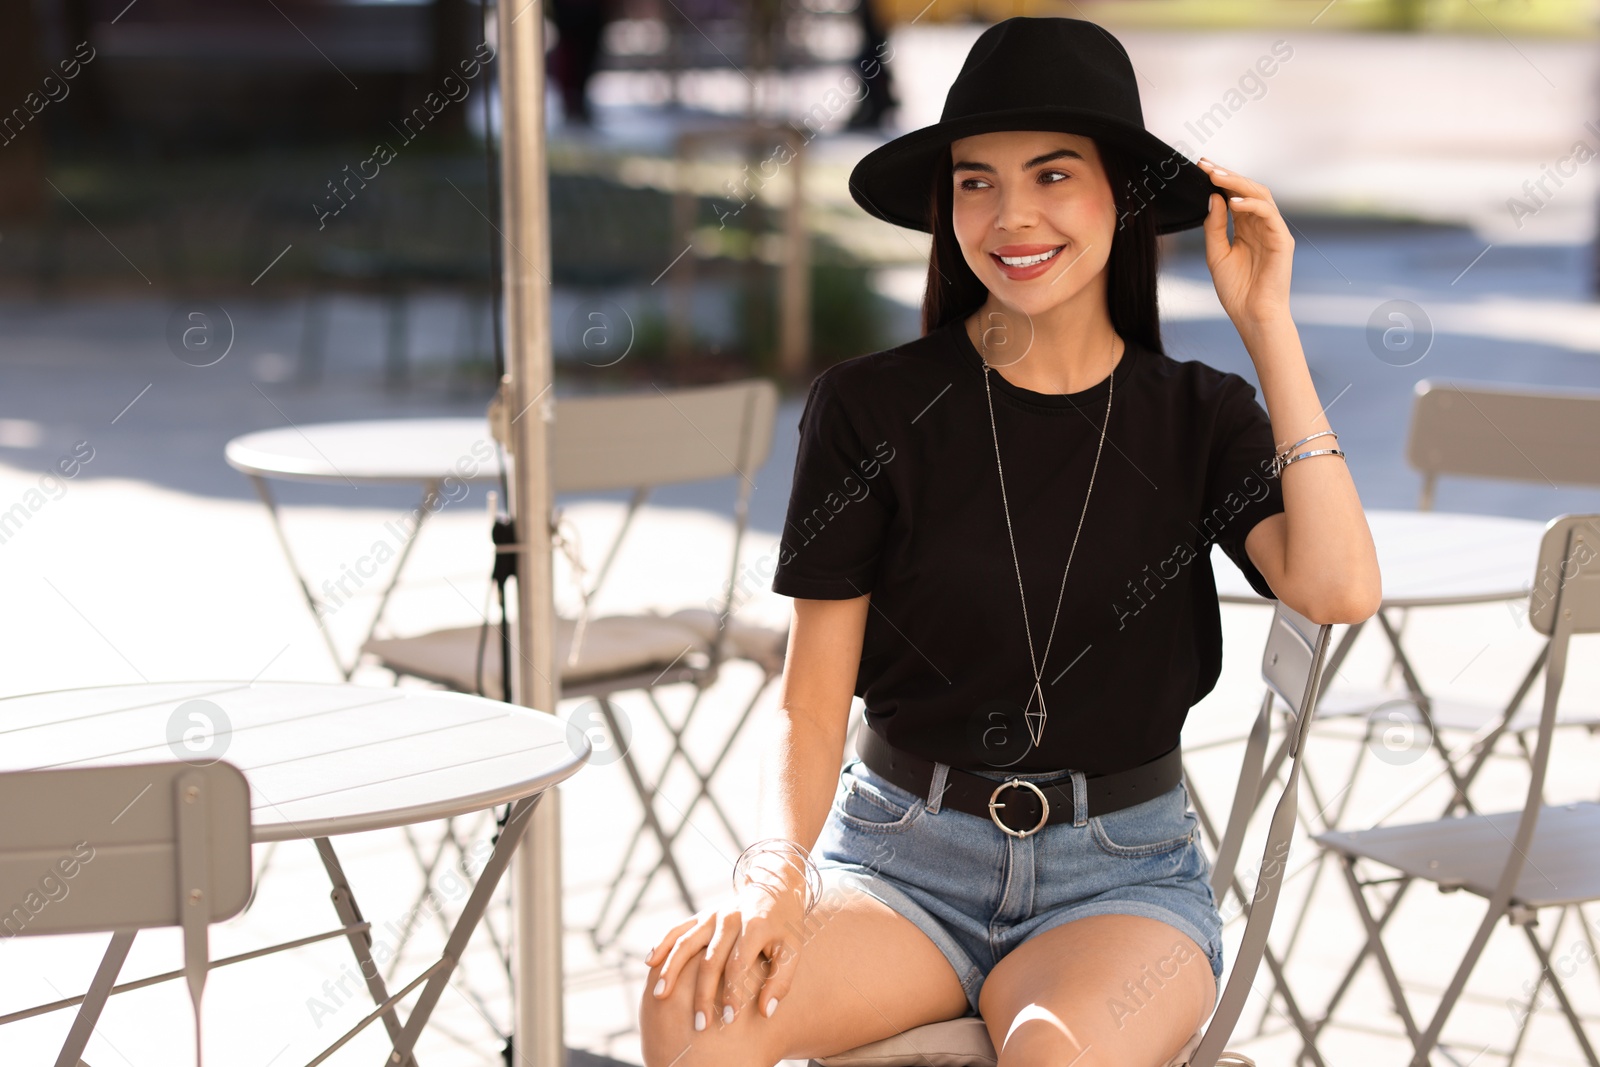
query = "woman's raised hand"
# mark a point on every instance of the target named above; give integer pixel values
(749, 944)
(1252, 273)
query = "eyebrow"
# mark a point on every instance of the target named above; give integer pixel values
(1060, 153)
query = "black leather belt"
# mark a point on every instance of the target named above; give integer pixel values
(1018, 806)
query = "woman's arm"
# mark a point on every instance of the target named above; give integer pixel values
(819, 682)
(751, 948)
(1317, 555)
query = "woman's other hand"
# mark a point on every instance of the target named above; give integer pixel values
(750, 946)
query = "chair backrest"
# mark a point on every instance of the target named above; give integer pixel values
(123, 848)
(641, 440)
(662, 437)
(1291, 654)
(1489, 430)
(1291, 665)
(1563, 600)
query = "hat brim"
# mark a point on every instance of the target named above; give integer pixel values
(891, 182)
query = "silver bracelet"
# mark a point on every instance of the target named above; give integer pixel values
(1278, 470)
(1303, 440)
(813, 875)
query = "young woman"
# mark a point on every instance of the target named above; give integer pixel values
(999, 537)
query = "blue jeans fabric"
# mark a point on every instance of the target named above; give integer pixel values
(978, 892)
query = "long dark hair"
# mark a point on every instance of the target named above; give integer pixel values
(953, 291)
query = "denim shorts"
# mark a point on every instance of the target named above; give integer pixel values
(979, 892)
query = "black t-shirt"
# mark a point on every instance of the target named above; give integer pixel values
(896, 493)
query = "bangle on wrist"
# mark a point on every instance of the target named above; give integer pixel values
(1290, 448)
(1283, 458)
(794, 854)
(1282, 463)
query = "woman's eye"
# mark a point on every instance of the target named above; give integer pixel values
(967, 184)
(1060, 173)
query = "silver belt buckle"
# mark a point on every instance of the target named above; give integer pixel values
(995, 804)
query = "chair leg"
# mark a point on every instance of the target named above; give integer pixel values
(703, 793)
(647, 799)
(1561, 995)
(1374, 945)
(1355, 965)
(95, 1001)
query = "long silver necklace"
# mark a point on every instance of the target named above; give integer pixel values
(1036, 719)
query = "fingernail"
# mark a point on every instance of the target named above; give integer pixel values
(661, 986)
(727, 1014)
(699, 1020)
(1218, 170)
(772, 1006)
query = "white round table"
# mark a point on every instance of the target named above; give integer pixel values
(1427, 559)
(430, 453)
(372, 451)
(321, 760)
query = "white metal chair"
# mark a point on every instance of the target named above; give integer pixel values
(1520, 862)
(639, 441)
(1291, 665)
(123, 849)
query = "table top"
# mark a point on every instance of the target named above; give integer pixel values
(321, 759)
(370, 451)
(1431, 558)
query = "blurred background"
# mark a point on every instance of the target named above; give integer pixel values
(313, 175)
(221, 216)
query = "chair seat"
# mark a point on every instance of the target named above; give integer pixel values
(1449, 713)
(765, 646)
(960, 1042)
(613, 646)
(1470, 852)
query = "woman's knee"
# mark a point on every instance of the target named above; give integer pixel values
(668, 1037)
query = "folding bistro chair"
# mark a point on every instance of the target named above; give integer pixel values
(123, 849)
(1291, 665)
(1480, 430)
(1519, 861)
(638, 442)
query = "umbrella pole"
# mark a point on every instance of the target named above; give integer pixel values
(536, 885)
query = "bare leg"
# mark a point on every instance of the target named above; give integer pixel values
(1118, 990)
(865, 972)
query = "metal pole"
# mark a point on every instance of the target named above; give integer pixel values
(536, 885)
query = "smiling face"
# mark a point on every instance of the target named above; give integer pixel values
(1034, 216)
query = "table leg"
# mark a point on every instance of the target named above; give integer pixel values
(430, 490)
(1425, 707)
(95, 1000)
(294, 568)
(1486, 746)
(344, 903)
(471, 912)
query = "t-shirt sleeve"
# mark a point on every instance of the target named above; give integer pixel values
(1239, 490)
(839, 506)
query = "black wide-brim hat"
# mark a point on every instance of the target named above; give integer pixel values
(1057, 74)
